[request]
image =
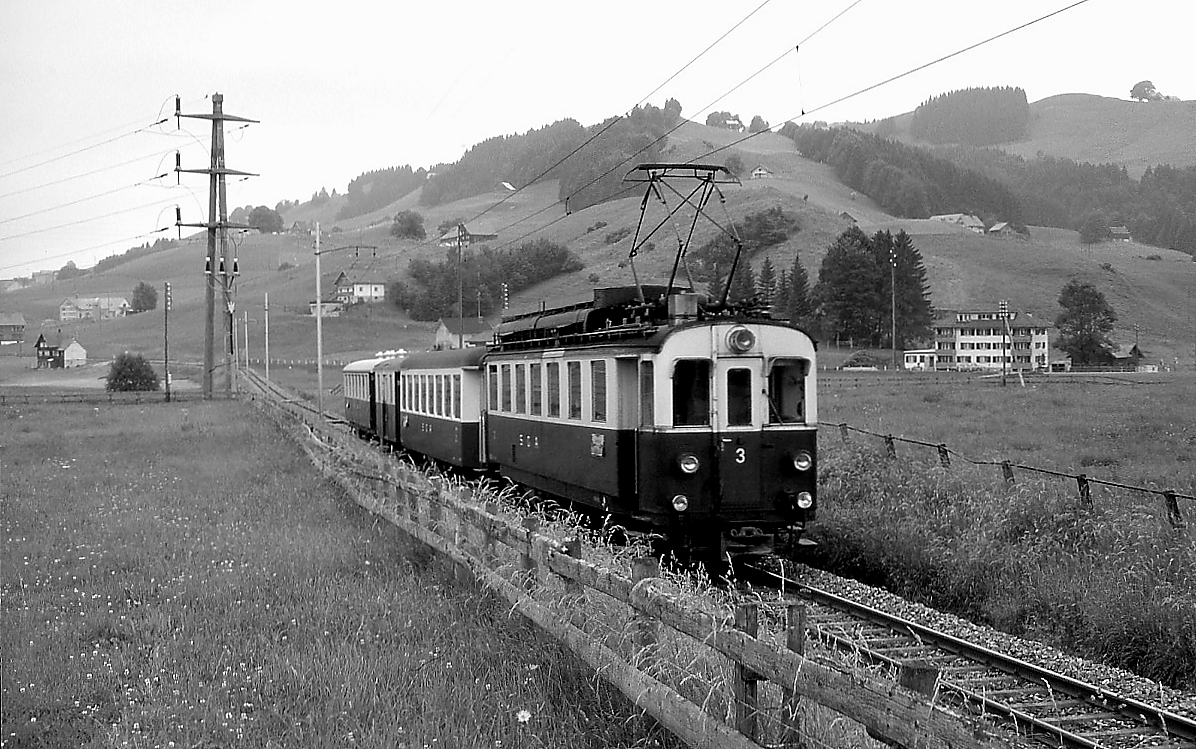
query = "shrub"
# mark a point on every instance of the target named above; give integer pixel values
(285, 266)
(617, 235)
(131, 372)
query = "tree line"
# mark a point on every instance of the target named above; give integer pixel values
(973, 116)
(431, 292)
(906, 181)
(374, 190)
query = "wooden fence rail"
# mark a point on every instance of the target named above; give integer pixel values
(548, 581)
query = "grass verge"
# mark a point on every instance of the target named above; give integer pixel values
(182, 577)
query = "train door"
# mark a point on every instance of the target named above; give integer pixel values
(737, 431)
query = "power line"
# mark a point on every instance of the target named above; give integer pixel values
(80, 251)
(86, 220)
(81, 200)
(80, 150)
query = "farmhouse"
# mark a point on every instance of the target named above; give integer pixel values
(761, 173)
(966, 220)
(356, 291)
(12, 328)
(93, 308)
(49, 355)
(991, 339)
(1120, 234)
(468, 236)
(473, 331)
(74, 355)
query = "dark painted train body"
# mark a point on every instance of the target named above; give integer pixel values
(699, 425)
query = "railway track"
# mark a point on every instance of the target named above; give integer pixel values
(1038, 703)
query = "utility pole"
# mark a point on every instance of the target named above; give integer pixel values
(246, 344)
(217, 226)
(319, 331)
(166, 337)
(1004, 309)
(462, 238)
(267, 305)
(893, 301)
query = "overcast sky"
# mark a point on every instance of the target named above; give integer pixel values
(346, 87)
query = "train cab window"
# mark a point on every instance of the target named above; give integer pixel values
(537, 401)
(647, 394)
(493, 387)
(786, 391)
(506, 388)
(739, 397)
(520, 388)
(691, 393)
(456, 396)
(573, 371)
(553, 371)
(598, 390)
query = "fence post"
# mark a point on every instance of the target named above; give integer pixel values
(944, 455)
(1007, 471)
(644, 629)
(795, 640)
(890, 447)
(746, 681)
(1085, 491)
(527, 560)
(843, 433)
(488, 554)
(1173, 516)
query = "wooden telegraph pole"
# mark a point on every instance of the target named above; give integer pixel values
(220, 268)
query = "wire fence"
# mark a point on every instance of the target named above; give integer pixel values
(1083, 481)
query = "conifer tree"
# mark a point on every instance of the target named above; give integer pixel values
(766, 284)
(798, 306)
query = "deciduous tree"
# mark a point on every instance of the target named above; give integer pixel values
(408, 225)
(1085, 324)
(145, 297)
(265, 219)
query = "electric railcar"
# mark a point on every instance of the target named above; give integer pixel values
(671, 415)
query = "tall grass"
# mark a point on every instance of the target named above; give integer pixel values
(181, 577)
(1115, 582)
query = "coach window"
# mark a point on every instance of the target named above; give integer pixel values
(786, 391)
(598, 390)
(573, 370)
(739, 397)
(456, 396)
(647, 394)
(493, 387)
(553, 371)
(440, 395)
(520, 388)
(505, 388)
(425, 399)
(691, 393)
(533, 373)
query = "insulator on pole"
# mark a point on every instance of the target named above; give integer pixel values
(207, 266)
(222, 266)
(236, 267)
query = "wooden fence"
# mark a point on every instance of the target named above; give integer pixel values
(717, 673)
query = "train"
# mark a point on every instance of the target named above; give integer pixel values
(647, 408)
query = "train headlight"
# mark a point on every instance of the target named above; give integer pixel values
(740, 339)
(805, 500)
(802, 460)
(681, 503)
(688, 463)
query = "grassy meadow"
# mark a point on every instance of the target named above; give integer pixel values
(1115, 583)
(181, 576)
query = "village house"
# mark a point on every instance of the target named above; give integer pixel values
(457, 332)
(991, 339)
(356, 291)
(74, 355)
(761, 173)
(12, 328)
(1120, 234)
(93, 308)
(49, 355)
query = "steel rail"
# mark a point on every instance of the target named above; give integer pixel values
(1170, 724)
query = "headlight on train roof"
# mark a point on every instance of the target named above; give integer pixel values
(681, 503)
(740, 339)
(805, 500)
(802, 460)
(688, 463)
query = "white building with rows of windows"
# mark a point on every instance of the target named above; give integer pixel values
(988, 339)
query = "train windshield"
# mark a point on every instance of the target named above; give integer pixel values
(691, 393)
(786, 391)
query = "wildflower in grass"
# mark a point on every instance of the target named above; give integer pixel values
(523, 716)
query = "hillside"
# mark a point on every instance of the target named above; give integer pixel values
(1148, 287)
(1099, 130)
